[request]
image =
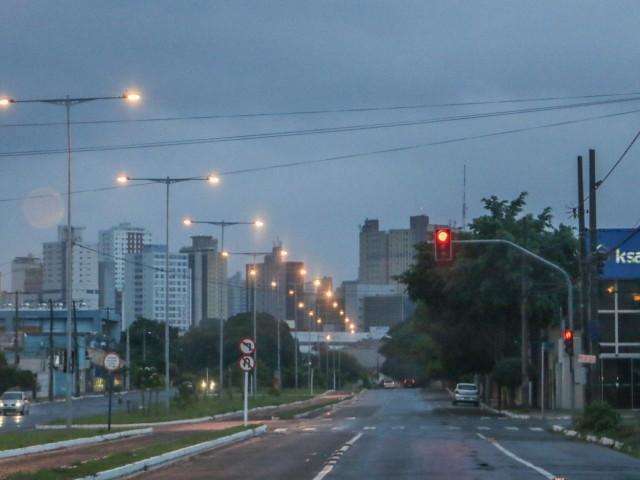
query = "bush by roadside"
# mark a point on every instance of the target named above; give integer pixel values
(599, 418)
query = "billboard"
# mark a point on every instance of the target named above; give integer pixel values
(623, 262)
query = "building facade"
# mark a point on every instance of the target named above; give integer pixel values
(237, 294)
(85, 289)
(26, 274)
(209, 290)
(114, 244)
(144, 287)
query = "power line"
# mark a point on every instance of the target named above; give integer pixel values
(369, 153)
(321, 111)
(313, 131)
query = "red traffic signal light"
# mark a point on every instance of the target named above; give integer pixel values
(442, 241)
(567, 337)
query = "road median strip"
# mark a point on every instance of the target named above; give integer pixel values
(161, 452)
(74, 442)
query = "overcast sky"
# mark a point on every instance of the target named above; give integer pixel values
(205, 58)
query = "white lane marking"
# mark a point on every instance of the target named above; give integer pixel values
(512, 455)
(484, 428)
(351, 418)
(398, 427)
(309, 429)
(485, 418)
(369, 428)
(337, 429)
(335, 458)
(513, 429)
(535, 429)
(280, 430)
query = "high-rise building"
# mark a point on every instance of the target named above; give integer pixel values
(237, 295)
(355, 295)
(26, 274)
(274, 278)
(209, 291)
(384, 255)
(144, 286)
(85, 270)
(114, 244)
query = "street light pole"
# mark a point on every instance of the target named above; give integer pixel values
(222, 224)
(168, 181)
(67, 102)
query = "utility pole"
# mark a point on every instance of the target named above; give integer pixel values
(16, 339)
(582, 265)
(524, 347)
(50, 350)
(76, 353)
(125, 321)
(593, 265)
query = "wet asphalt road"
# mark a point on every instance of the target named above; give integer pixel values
(398, 434)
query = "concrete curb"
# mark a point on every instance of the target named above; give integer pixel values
(322, 408)
(175, 455)
(506, 413)
(46, 447)
(604, 441)
(236, 414)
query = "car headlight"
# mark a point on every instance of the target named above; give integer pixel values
(1, 403)
(18, 403)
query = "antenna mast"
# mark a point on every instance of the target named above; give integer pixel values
(464, 196)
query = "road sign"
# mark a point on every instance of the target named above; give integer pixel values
(247, 362)
(247, 346)
(111, 361)
(583, 358)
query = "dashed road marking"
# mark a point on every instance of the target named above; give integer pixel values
(351, 418)
(513, 429)
(280, 430)
(397, 427)
(335, 457)
(512, 455)
(369, 428)
(484, 428)
(535, 429)
(309, 429)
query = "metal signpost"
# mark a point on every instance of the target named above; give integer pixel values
(111, 364)
(247, 363)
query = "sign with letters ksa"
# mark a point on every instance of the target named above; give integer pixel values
(624, 261)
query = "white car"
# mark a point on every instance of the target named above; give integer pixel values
(388, 384)
(466, 393)
(14, 402)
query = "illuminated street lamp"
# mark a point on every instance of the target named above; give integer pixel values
(301, 305)
(68, 102)
(167, 181)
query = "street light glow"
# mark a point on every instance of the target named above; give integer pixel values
(225, 253)
(300, 304)
(274, 284)
(258, 223)
(187, 221)
(303, 272)
(5, 102)
(291, 292)
(328, 294)
(132, 97)
(311, 313)
(122, 179)
(316, 282)
(253, 272)
(319, 321)
(328, 337)
(213, 179)
(283, 253)
(335, 304)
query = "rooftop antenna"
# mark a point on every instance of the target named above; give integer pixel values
(464, 196)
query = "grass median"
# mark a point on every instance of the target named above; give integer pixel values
(11, 440)
(289, 414)
(118, 459)
(197, 409)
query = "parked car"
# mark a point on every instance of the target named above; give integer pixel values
(409, 383)
(466, 393)
(388, 384)
(14, 401)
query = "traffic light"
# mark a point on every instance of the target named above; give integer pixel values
(443, 245)
(567, 336)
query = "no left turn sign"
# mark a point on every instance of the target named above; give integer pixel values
(247, 363)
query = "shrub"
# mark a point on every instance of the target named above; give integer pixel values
(599, 418)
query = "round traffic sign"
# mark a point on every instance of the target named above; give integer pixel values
(247, 362)
(111, 361)
(247, 346)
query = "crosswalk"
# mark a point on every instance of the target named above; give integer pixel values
(319, 427)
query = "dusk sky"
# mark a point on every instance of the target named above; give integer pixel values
(199, 58)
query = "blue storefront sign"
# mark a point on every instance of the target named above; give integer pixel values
(623, 263)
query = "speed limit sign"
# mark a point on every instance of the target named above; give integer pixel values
(111, 361)
(247, 362)
(247, 346)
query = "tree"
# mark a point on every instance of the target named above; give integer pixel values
(149, 350)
